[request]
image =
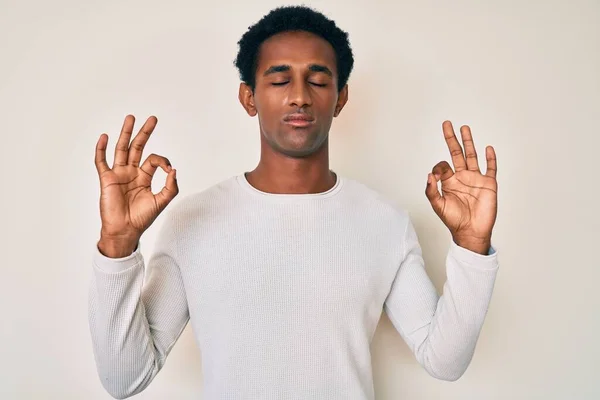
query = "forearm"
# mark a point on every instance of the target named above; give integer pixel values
(123, 350)
(445, 345)
(125, 353)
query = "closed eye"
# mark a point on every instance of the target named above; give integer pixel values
(286, 82)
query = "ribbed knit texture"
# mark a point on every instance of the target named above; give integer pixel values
(284, 292)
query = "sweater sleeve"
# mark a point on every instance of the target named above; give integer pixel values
(134, 324)
(441, 331)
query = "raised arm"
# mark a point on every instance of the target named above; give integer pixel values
(134, 319)
(443, 331)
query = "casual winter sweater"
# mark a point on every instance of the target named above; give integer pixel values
(283, 292)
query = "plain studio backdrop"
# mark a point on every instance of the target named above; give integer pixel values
(524, 75)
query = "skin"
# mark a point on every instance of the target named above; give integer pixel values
(468, 202)
(296, 73)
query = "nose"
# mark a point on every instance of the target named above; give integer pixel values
(299, 94)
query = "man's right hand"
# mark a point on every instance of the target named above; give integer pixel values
(127, 205)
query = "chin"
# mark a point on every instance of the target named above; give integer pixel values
(297, 144)
(297, 152)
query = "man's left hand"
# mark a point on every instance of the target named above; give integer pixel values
(468, 202)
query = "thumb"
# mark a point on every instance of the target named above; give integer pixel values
(433, 194)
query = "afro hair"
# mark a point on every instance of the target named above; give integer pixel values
(292, 18)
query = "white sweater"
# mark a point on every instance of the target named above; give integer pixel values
(284, 292)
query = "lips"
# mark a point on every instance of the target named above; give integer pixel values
(298, 120)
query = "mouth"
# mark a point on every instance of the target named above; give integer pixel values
(299, 120)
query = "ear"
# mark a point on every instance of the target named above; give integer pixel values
(246, 98)
(341, 102)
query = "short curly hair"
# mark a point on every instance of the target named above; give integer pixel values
(292, 18)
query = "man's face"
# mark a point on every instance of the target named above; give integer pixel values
(296, 94)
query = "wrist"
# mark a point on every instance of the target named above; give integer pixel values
(476, 245)
(117, 247)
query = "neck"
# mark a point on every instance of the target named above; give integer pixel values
(278, 173)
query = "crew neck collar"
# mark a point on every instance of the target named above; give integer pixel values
(243, 182)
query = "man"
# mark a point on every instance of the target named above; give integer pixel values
(284, 270)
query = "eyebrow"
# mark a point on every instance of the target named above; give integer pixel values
(283, 68)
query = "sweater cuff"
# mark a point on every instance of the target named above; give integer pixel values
(116, 265)
(470, 258)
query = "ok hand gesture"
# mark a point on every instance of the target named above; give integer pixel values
(468, 202)
(127, 205)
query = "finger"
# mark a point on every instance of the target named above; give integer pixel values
(168, 192)
(469, 146)
(153, 162)
(140, 140)
(458, 159)
(490, 155)
(100, 159)
(442, 171)
(122, 147)
(433, 194)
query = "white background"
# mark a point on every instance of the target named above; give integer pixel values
(524, 75)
